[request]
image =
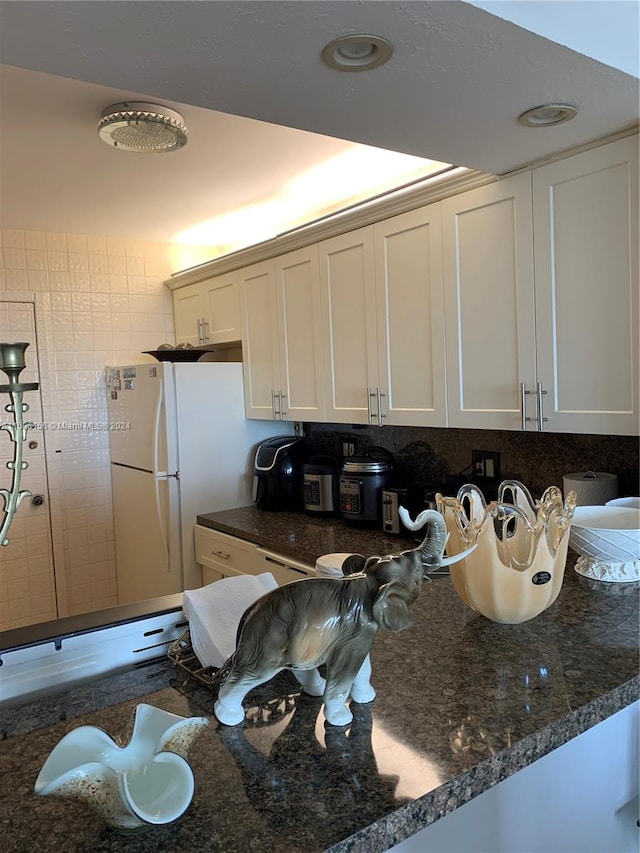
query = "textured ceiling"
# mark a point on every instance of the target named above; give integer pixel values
(260, 104)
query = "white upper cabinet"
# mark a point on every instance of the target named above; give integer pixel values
(586, 272)
(349, 327)
(221, 309)
(541, 296)
(301, 387)
(208, 312)
(188, 311)
(383, 317)
(260, 352)
(280, 302)
(410, 318)
(489, 304)
(510, 306)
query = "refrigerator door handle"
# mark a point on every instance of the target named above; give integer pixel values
(159, 475)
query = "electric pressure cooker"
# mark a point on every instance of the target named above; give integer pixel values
(320, 485)
(361, 482)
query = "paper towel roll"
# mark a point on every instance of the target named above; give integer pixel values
(593, 488)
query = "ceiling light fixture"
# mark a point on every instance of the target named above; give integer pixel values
(142, 127)
(548, 115)
(357, 53)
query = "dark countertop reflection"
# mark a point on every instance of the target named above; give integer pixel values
(462, 703)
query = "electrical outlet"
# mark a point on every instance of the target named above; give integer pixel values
(485, 464)
(348, 448)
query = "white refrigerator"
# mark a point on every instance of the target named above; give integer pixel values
(180, 445)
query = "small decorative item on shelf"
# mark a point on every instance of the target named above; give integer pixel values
(147, 782)
(517, 569)
(181, 352)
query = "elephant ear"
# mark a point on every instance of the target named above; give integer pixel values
(389, 608)
(353, 564)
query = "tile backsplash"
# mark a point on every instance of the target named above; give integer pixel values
(536, 459)
(96, 301)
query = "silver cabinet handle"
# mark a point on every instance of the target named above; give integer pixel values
(523, 413)
(282, 411)
(370, 414)
(379, 395)
(205, 331)
(541, 418)
(220, 554)
(275, 412)
(199, 325)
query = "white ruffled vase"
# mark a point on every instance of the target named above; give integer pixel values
(145, 783)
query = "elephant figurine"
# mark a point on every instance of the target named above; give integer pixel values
(331, 621)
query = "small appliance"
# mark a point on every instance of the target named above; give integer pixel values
(414, 497)
(361, 482)
(277, 474)
(393, 497)
(321, 487)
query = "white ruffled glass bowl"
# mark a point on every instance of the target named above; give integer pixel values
(145, 783)
(517, 568)
(607, 538)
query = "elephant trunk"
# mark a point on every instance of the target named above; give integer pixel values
(435, 540)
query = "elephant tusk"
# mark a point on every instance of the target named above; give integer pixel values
(447, 561)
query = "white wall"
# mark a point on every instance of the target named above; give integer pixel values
(98, 301)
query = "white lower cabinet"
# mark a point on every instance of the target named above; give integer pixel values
(284, 569)
(222, 556)
(581, 798)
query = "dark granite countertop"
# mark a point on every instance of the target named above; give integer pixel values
(462, 703)
(303, 536)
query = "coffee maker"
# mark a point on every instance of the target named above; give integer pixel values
(277, 473)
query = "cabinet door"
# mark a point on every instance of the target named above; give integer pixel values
(489, 304)
(349, 326)
(221, 309)
(188, 311)
(410, 318)
(259, 339)
(300, 338)
(586, 265)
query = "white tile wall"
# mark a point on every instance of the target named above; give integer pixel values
(98, 301)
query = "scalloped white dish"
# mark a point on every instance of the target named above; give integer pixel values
(607, 538)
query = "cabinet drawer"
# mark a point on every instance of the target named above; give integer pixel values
(224, 553)
(211, 573)
(284, 569)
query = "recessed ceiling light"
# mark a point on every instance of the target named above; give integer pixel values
(547, 115)
(141, 127)
(357, 52)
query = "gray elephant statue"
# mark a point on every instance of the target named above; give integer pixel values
(331, 621)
